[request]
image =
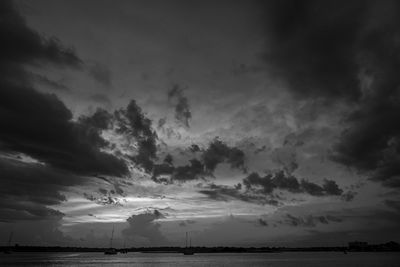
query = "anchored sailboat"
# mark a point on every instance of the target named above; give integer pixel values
(111, 250)
(124, 250)
(188, 250)
(7, 250)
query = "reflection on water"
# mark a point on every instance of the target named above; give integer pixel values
(286, 259)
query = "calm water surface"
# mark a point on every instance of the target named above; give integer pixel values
(286, 259)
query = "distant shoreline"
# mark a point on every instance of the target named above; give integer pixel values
(363, 247)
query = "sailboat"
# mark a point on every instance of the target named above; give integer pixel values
(8, 249)
(124, 250)
(111, 250)
(188, 250)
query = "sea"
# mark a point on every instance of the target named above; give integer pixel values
(284, 259)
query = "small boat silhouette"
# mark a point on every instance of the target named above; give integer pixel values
(111, 250)
(7, 250)
(188, 250)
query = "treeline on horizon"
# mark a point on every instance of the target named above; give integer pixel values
(389, 246)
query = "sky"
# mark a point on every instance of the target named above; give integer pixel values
(243, 123)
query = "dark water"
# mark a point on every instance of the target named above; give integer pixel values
(286, 259)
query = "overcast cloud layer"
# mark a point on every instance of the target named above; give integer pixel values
(273, 120)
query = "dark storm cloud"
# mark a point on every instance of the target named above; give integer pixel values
(143, 225)
(100, 119)
(40, 124)
(43, 80)
(260, 189)
(182, 109)
(133, 122)
(280, 180)
(255, 180)
(372, 141)
(20, 44)
(217, 152)
(101, 74)
(192, 171)
(42, 128)
(314, 45)
(27, 189)
(162, 169)
(168, 159)
(345, 50)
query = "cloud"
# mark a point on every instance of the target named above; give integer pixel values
(278, 180)
(243, 69)
(258, 189)
(21, 199)
(217, 152)
(101, 74)
(371, 143)
(40, 127)
(22, 45)
(104, 199)
(144, 225)
(161, 123)
(313, 46)
(133, 122)
(110, 196)
(193, 171)
(101, 99)
(168, 159)
(344, 51)
(194, 148)
(46, 232)
(182, 109)
(186, 222)
(39, 124)
(100, 119)
(310, 220)
(394, 204)
(285, 156)
(227, 193)
(349, 195)
(43, 80)
(260, 149)
(262, 222)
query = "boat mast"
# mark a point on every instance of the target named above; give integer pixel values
(112, 235)
(186, 240)
(10, 238)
